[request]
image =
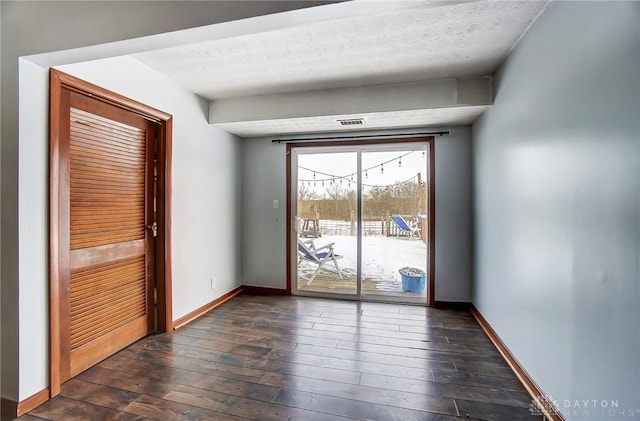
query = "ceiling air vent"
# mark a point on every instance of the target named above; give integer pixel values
(351, 122)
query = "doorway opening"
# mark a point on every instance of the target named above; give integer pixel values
(110, 231)
(361, 220)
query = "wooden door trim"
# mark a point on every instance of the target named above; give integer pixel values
(59, 82)
(431, 198)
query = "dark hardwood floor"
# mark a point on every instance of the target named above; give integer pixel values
(275, 358)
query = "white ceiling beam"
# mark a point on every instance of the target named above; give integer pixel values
(435, 94)
(440, 117)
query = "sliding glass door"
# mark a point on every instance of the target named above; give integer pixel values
(359, 221)
(326, 237)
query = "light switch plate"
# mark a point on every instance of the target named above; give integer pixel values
(276, 205)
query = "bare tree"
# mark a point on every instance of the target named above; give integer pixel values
(305, 192)
(335, 192)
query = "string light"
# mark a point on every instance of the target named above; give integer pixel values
(413, 179)
(409, 181)
(331, 178)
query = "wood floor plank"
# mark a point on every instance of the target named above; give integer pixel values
(326, 367)
(485, 368)
(480, 380)
(164, 409)
(174, 348)
(328, 333)
(264, 334)
(397, 360)
(362, 366)
(197, 365)
(378, 333)
(396, 315)
(224, 387)
(283, 325)
(426, 344)
(419, 353)
(243, 407)
(136, 383)
(101, 395)
(450, 390)
(236, 365)
(351, 408)
(65, 409)
(272, 343)
(494, 412)
(235, 387)
(295, 358)
(200, 398)
(154, 371)
(369, 321)
(442, 331)
(404, 399)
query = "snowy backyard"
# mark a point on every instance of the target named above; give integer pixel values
(382, 257)
(377, 193)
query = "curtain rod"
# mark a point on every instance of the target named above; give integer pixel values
(310, 139)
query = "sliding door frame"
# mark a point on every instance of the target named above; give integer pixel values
(431, 198)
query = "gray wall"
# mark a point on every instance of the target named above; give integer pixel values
(264, 231)
(557, 204)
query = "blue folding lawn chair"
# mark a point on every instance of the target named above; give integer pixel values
(308, 251)
(410, 229)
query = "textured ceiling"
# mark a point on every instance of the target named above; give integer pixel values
(422, 41)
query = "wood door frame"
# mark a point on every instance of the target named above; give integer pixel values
(373, 140)
(60, 81)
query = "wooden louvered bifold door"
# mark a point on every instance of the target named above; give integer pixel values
(108, 294)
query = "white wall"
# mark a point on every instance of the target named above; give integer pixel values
(205, 188)
(44, 27)
(264, 230)
(33, 264)
(557, 209)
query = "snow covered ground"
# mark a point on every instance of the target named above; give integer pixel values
(382, 258)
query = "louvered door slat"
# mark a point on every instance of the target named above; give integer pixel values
(108, 279)
(95, 154)
(86, 136)
(110, 296)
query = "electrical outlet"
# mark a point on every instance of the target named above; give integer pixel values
(213, 282)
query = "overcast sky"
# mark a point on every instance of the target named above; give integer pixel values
(345, 164)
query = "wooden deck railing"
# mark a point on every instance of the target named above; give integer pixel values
(370, 227)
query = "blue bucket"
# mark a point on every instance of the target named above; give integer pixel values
(413, 279)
